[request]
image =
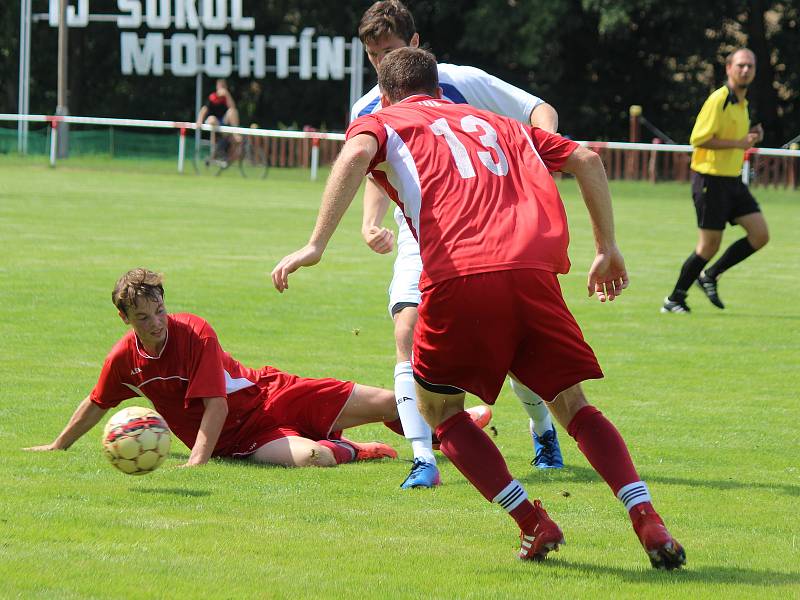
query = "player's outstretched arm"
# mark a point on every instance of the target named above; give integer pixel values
(86, 416)
(216, 411)
(607, 275)
(343, 183)
(544, 116)
(380, 239)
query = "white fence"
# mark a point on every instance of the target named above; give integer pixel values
(623, 159)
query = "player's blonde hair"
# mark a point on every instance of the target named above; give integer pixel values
(387, 17)
(408, 71)
(136, 284)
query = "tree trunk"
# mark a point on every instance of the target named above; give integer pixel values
(765, 97)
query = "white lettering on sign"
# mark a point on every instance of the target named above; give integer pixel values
(142, 59)
(254, 55)
(186, 14)
(183, 55)
(75, 17)
(282, 44)
(216, 55)
(158, 15)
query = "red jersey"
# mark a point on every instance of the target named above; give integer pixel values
(191, 366)
(475, 187)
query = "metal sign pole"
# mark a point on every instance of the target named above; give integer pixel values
(198, 86)
(24, 73)
(63, 51)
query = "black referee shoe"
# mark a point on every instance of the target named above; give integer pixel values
(675, 306)
(709, 287)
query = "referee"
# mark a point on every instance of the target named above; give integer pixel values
(720, 137)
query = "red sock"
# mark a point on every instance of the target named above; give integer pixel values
(342, 451)
(603, 446)
(479, 460)
(395, 426)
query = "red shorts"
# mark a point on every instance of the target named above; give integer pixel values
(294, 406)
(475, 329)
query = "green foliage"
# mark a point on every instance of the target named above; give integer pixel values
(707, 404)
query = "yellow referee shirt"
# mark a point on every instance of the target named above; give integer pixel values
(725, 117)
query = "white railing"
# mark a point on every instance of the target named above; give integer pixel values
(182, 127)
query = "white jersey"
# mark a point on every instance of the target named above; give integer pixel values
(467, 85)
(461, 85)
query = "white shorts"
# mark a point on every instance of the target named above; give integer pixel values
(407, 266)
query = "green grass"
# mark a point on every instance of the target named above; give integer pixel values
(708, 404)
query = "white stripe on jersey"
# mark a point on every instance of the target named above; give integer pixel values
(403, 175)
(530, 143)
(234, 385)
(231, 385)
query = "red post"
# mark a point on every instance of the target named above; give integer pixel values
(632, 158)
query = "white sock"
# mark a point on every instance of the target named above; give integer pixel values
(414, 426)
(511, 496)
(535, 406)
(634, 493)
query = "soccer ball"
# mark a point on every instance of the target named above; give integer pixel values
(136, 440)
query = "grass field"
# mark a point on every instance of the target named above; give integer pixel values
(708, 404)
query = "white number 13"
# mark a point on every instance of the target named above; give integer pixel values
(470, 124)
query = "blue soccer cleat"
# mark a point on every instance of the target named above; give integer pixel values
(423, 475)
(548, 452)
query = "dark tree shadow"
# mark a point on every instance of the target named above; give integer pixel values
(572, 473)
(686, 575)
(171, 491)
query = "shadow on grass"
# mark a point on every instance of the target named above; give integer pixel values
(571, 473)
(171, 491)
(688, 574)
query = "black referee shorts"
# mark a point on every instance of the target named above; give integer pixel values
(719, 200)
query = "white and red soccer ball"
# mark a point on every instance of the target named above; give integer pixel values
(136, 440)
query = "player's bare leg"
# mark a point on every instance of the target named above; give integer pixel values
(214, 123)
(606, 451)
(366, 404)
(294, 451)
(475, 455)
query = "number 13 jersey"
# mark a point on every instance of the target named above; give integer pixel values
(475, 187)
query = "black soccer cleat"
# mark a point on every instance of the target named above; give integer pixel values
(675, 306)
(709, 287)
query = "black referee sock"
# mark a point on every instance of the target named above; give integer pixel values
(689, 272)
(736, 253)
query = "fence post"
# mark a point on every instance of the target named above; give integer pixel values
(314, 150)
(632, 157)
(181, 149)
(653, 162)
(53, 140)
(746, 166)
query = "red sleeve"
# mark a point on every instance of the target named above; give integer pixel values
(206, 372)
(370, 124)
(110, 391)
(554, 149)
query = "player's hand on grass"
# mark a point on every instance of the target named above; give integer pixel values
(607, 275)
(379, 239)
(42, 448)
(307, 256)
